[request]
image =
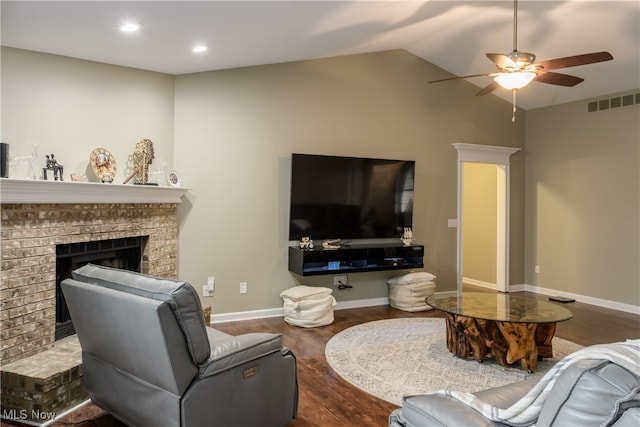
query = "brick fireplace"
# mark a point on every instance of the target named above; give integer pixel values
(37, 216)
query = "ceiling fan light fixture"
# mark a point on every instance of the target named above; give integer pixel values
(515, 80)
(522, 59)
(199, 48)
(130, 27)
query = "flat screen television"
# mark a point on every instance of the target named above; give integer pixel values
(336, 197)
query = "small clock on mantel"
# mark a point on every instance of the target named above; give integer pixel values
(174, 179)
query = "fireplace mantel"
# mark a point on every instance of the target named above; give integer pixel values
(40, 191)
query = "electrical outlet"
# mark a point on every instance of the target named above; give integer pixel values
(206, 292)
(340, 280)
(243, 287)
(537, 269)
(211, 283)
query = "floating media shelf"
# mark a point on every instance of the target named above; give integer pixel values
(355, 259)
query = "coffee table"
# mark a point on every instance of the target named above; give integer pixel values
(509, 328)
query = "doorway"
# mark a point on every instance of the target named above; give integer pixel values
(492, 163)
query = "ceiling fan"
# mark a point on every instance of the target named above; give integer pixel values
(518, 69)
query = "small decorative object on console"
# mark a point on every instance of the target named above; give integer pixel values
(52, 165)
(331, 244)
(306, 243)
(103, 164)
(407, 236)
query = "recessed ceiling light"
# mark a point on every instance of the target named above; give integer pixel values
(130, 28)
(199, 48)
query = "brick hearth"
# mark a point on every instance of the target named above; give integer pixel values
(36, 379)
(42, 387)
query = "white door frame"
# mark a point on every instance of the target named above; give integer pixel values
(501, 157)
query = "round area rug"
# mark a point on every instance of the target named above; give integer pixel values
(396, 357)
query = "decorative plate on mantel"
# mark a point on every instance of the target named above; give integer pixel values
(103, 164)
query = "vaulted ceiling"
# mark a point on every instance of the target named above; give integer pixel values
(454, 35)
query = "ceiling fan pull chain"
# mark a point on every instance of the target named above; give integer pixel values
(515, 25)
(513, 116)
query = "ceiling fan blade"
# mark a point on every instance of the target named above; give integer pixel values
(573, 61)
(488, 88)
(557, 79)
(462, 77)
(502, 61)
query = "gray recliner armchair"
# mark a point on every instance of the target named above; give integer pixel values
(595, 386)
(149, 360)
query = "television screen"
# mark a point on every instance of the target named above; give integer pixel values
(336, 197)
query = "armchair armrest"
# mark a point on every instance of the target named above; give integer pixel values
(229, 351)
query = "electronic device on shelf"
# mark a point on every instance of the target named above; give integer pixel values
(335, 197)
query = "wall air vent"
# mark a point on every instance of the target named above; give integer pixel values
(613, 103)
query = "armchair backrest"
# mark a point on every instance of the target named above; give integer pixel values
(145, 328)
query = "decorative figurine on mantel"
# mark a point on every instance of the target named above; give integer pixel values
(142, 158)
(52, 165)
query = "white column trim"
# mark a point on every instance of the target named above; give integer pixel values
(500, 156)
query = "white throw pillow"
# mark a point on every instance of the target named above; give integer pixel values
(410, 278)
(304, 292)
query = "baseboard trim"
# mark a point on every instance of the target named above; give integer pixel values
(345, 305)
(278, 312)
(372, 302)
(247, 315)
(480, 283)
(613, 305)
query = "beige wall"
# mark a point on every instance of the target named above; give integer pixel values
(236, 130)
(583, 198)
(69, 107)
(234, 133)
(480, 210)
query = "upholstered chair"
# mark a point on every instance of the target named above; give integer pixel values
(149, 359)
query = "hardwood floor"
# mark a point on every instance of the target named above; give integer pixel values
(326, 400)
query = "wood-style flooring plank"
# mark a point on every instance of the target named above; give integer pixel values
(326, 400)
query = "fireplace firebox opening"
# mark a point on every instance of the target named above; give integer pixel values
(125, 253)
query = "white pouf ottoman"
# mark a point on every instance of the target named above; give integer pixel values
(308, 306)
(408, 292)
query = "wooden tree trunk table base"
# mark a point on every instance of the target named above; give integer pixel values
(508, 342)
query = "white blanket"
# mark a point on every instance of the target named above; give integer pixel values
(526, 411)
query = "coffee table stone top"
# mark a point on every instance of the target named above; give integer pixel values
(499, 307)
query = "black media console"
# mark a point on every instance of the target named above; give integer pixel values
(354, 259)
